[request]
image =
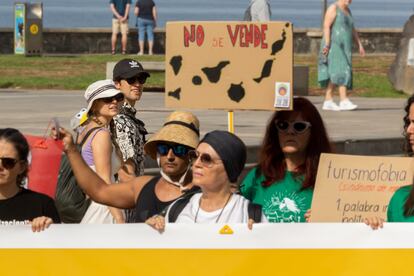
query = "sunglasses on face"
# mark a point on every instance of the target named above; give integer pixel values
(139, 79)
(205, 158)
(118, 98)
(8, 163)
(298, 126)
(178, 150)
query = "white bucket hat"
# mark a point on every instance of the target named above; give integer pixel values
(98, 90)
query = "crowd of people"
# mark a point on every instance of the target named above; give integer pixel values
(199, 179)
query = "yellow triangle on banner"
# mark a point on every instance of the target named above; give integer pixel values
(226, 230)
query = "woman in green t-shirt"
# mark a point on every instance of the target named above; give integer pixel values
(283, 180)
(401, 206)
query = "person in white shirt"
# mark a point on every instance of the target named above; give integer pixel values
(216, 164)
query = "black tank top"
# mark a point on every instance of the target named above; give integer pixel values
(148, 203)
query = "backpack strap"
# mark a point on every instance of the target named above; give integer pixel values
(175, 209)
(255, 212)
(87, 135)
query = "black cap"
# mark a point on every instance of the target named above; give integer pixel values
(231, 150)
(128, 68)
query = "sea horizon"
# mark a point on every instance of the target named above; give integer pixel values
(302, 13)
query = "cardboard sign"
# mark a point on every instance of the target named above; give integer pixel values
(229, 65)
(350, 188)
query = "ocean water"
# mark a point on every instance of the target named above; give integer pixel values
(302, 13)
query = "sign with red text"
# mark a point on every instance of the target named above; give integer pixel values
(229, 65)
(350, 188)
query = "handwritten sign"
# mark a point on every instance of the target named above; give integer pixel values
(229, 65)
(350, 188)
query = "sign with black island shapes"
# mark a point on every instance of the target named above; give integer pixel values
(229, 65)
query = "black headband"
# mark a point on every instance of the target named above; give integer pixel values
(187, 125)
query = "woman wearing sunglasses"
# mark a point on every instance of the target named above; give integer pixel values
(216, 163)
(147, 195)
(17, 204)
(284, 178)
(98, 151)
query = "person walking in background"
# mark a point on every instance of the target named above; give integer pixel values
(335, 56)
(258, 10)
(120, 11)
(284, 179)
(146, 13)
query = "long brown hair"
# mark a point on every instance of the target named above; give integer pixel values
(271, 158)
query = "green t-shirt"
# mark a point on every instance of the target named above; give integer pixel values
(283, 201)
(395, 212)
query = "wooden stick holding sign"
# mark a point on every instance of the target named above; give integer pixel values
(230, 121)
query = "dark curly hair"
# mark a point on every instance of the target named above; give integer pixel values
(16, 138)
(407, 147)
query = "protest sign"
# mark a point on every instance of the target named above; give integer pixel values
(229, 65)
(350, 188)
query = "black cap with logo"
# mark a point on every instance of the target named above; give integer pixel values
(128, 68)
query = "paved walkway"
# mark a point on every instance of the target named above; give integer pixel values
(30, 111)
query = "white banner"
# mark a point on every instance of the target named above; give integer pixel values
(199, 236)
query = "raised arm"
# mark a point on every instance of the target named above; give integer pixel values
(120, 195)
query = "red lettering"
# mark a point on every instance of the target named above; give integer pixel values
(193, 35)
(189, 36)
(264, 29)
(257, 36)
(218, 42)
(242, 35)
(200, 35)
(248, 35)
(233, 36)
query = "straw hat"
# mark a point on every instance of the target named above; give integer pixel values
(181, 127)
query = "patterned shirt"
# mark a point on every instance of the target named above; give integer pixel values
(130, 136)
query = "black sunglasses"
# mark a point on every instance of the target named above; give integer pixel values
(178, 150)
(8, 163)
(118, 97)
(205, 158)
(139, 79)
(298, 126)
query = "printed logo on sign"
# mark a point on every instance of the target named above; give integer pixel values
(282, 95)
(34, 29)
(284, 208)
(134, 64)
